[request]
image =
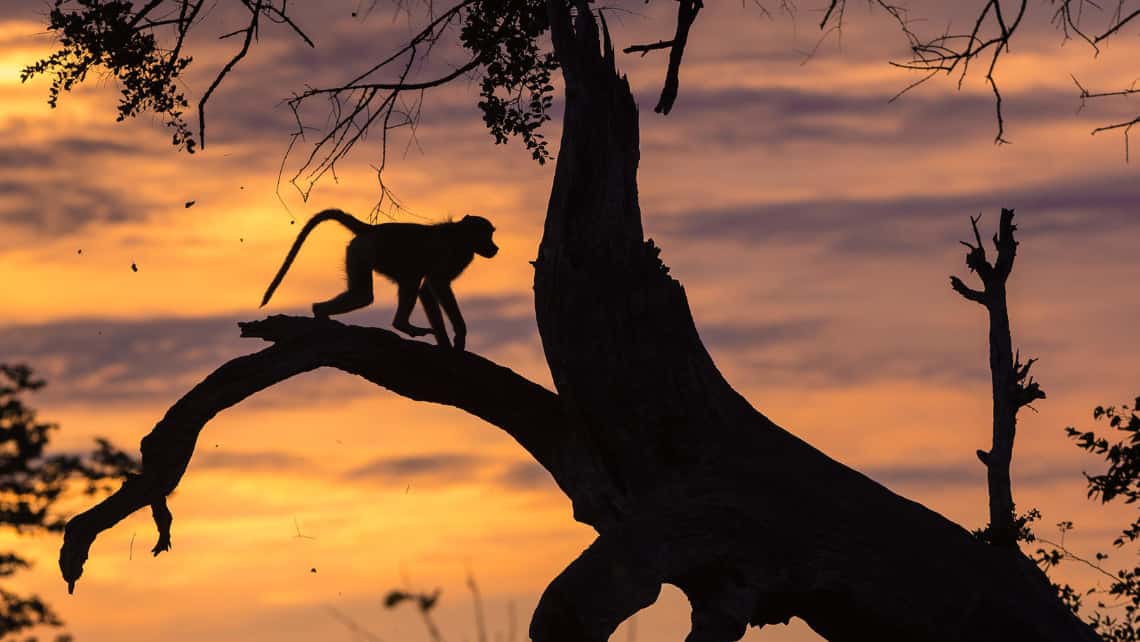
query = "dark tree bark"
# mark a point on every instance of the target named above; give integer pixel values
(684, 481)
(1013, 388)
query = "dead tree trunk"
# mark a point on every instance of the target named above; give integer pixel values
(1013, 388)
(684, 481)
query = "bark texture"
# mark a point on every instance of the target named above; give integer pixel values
(684, 481)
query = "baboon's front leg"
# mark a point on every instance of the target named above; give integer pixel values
(447, 299)
(358, 268)
(431, 309)
(404, 304)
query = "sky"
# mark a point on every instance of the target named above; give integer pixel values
(813, 223)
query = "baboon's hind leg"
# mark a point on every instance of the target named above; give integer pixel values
(407, 290)
(358, 269)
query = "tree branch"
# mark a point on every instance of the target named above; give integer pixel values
(356, 105)
(1125, 125)
(144, 10)
(687, 11)
(250, 32)
(992, 32)
(528, 412)
(1118, 25)
(646, 48)
(966, 291)
(390, 86)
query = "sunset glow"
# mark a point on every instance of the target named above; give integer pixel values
(813, 224)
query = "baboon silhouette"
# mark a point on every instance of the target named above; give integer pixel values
(422, 260)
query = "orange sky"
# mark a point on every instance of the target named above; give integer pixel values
(813, 224)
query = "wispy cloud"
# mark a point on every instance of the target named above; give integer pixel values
(526, 475)
(438, 468)
(732, 118)
(245, 461)
(452, 468)
(116, 360)
(54, 187)
(96, 359)
(913, 225)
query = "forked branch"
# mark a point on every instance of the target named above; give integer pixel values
(364, 102)
(687, 11)
(989, 38)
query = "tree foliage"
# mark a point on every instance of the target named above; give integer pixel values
(141, 43)
(1122, 479)
(95, 34)
(502, 36)
(1116, 615)
(32, 482)
(515, 92)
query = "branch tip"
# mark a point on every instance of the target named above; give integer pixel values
(966, 291)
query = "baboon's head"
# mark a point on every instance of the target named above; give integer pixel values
(478, 231)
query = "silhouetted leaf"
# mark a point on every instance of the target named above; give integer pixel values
(395, 597)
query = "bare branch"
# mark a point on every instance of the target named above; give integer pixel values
(976, 257)
(950, 53)
(1117, 27)
(831, 7)
(687, 11)
(256, 8)
(644, 49)
(974, 224)
(358, 104)
(279, 15)
(391, 86)
(187, 13)
(529, 412)
(144, 11)
(250, 32)
(966, 291)
(991, 34)
(1125, 125)
(1068, 21)
(1085, 93)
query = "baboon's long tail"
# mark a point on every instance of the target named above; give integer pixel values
(344, 218)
